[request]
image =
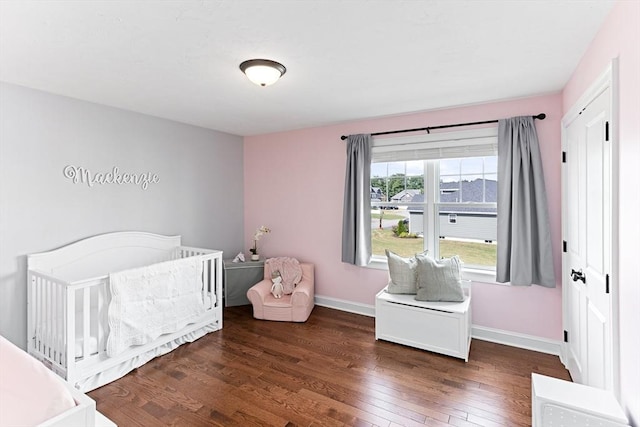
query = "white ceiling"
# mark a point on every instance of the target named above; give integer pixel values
(345, 60)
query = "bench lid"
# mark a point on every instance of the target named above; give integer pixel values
(409, 300)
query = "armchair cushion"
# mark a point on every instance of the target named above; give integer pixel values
(295, 307)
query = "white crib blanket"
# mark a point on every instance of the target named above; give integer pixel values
(150, 301)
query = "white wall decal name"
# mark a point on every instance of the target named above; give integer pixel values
(79, 174)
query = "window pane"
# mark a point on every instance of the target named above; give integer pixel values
(378, 169)
(450, 190)
(471, 165)
(415, 183)
(468, 231)
(449, 167)
(393, 226)
(473, 253)
(396, 168)
(386, 232)
(396, 185)
(415, 168)
(472, 236)
(491, 164)
(491, 188)
(378, 183)
(472, 189)
(464, 228)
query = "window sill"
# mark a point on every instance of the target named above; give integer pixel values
(477, 275)
(378, 264)
(474, 275)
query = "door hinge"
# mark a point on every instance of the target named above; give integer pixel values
(606, 131)
(566, 336)
(564, 246)
(564, 157)
(607, 283)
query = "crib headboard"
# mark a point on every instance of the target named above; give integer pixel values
(99, 255)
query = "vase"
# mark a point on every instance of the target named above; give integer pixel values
(255, 257)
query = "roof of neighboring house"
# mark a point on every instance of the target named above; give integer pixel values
(405, 195)
(469, 191)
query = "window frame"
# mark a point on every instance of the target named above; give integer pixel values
(464, 141)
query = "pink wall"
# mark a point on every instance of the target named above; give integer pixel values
(620, 37)
(294, 184)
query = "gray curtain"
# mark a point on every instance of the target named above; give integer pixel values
(356, 215)
(524, 238)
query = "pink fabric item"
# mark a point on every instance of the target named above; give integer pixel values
(29, 392)
(289, 269)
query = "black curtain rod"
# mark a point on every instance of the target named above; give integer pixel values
(540, 116)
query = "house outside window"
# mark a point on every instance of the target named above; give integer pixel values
(376, 194)
(441, 193)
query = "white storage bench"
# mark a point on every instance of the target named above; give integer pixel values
(555, 402)
(441, 327)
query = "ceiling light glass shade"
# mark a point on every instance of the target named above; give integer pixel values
(263, 72)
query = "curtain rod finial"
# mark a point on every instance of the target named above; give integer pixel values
(540, 116)
(343, 137)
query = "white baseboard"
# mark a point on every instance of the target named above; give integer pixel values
(513, 339)
(344, 305)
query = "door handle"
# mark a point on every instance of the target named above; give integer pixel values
(578, 275)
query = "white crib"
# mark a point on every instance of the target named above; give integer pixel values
(69, 296)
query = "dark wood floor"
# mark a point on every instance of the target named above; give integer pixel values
(329, 371)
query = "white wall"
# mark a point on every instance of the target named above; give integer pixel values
(619, 38)
(199, 195)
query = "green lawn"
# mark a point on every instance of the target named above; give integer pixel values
(471, 253)
(387, 215)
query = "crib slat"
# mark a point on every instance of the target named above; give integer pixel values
(101, 317)
(63, 321)
(205, 282)
(47, 325)
(62, 331)
(59, 305)
(86, 321)
(43, 316)
(30, 317)
(70, 326)
(38, 311)
(55, 318)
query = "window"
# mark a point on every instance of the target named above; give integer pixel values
(437, 193)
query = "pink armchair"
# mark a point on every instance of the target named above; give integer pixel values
(290, 308)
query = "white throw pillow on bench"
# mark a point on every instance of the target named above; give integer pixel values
(438, 280)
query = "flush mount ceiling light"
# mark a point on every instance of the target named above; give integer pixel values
(263, 72)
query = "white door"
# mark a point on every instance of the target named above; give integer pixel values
(587, 243)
